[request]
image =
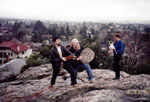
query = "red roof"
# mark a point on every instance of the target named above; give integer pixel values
(14, 46)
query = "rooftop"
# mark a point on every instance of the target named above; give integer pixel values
(14, 46)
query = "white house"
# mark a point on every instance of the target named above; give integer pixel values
(11, 50)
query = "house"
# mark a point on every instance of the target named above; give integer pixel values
(11, 50)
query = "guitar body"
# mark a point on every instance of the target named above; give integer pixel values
(87, 55)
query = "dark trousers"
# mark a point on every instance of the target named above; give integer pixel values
(116, 65)
(76, 72)
(57, 69)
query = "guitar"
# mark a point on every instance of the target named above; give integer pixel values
(70, 57)
(87, 56)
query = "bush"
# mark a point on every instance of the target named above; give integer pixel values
(32, 61)
(143, 68)
(45, 51)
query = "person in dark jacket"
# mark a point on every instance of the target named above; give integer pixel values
(58, 55)
(76, 63)
(118, 51)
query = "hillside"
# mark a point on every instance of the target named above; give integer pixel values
(32, 86)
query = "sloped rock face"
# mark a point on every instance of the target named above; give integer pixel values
(36, 72)
(129, 88)
(7, 76)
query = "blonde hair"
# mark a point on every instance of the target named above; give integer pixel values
(76, 45)
(74, 40)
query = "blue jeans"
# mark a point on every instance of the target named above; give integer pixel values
(87, 68)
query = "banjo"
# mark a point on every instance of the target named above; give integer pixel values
(87, 56)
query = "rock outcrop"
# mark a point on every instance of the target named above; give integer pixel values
(30, 88)
(10, 70)
(36, 72)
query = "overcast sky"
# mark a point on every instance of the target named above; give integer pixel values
(77, 10)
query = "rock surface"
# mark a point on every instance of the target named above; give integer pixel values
(36, 72)
(10, 70)
(130, 88)
(13, 66)
(7, 76)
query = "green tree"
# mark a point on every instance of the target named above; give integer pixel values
(83, 30)
(39, 27)
(62, 31)
(45, 51)
(68, 32)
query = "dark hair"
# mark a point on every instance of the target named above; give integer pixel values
(55, 38)
(117, 34)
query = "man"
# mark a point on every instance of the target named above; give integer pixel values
(58, 59)
(76, 63)
(118, 50)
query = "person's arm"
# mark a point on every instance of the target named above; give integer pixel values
(67, 52)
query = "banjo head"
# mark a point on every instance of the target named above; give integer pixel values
(87, 55)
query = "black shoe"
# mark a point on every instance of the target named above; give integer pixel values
(116, 78)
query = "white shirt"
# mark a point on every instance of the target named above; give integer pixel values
(59, 51)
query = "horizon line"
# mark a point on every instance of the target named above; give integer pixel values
(81, 21)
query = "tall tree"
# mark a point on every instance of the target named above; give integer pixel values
(39, 27)
(62, 31)
(83, 30)
(68, 32)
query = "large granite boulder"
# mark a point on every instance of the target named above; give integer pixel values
(10, 70)
(13, 66)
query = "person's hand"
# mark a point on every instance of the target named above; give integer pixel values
(74, 58)
(64, 59)
(79, 58)
(110, 51)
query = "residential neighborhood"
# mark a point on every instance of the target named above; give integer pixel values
(20, 38)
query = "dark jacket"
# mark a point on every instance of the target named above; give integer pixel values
(75, 63)
(119, 46)
(55, 58)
